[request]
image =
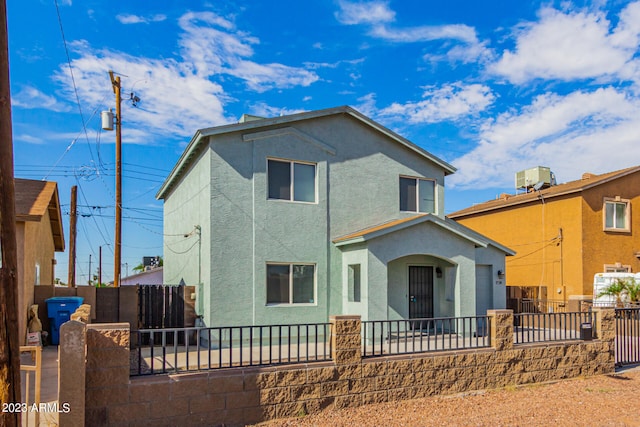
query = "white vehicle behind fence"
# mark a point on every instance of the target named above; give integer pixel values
(602, 280)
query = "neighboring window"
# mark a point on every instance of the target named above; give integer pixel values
(354, 283)
(617, 268)
(290, 283)
(417, 195)
(617, 214)
(294, 181)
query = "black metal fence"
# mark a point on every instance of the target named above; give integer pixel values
(539, 327)
(194, 349)
(160, 306)
(627, 344)
(384, 337)
(535, 305)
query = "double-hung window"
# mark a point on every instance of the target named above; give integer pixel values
(290, 180)
(417, 195)
(291, 283)
(617, 215)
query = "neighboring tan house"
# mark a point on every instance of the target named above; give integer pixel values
(565, 234)
(295, 218)
(38, 236)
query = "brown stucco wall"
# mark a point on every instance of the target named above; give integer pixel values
(239, 396)
(35, 246)
(607, 247)
(529, 229)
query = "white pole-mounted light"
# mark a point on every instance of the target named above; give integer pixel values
(107, 119)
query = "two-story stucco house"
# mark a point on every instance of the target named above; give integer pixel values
(295, 218)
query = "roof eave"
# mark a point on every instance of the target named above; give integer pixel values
(415, 221)
(55, 217)
(182, 163)
(507, 204)
(456, 215)
(448, 168)
(204, 134)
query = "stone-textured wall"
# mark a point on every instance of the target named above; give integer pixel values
(107, 372)
(238, 396)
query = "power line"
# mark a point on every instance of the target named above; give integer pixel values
(73, 80)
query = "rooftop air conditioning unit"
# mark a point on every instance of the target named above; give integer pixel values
(528, 178)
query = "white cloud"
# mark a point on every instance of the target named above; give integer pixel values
(378, 16)
(29, 97)
(464, 53)
(179, 95)
(215, 46)
(136, 19)
(372, 12)
(266, 111)
(367, 105)
(174, 100)
(571, 45)
(448, 102)
(583, 131)
(460, 32)
(29, 139)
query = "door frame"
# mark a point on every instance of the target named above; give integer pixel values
(409, 293)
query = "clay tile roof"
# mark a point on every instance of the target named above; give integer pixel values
(34, 199)
(588, 180)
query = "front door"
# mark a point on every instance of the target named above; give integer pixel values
(420, 292)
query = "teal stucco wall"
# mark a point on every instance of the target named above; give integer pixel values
(357, 177)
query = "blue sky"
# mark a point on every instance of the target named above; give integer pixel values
(492, 87)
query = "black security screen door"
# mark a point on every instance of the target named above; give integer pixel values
(420, 292)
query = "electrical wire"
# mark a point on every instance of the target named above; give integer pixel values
(73, 81)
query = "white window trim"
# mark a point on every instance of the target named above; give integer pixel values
(292, 304)
(435, 193)
(627, 226)
(617, 268)
(291, 186)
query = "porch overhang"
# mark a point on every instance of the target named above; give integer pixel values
(393, 226)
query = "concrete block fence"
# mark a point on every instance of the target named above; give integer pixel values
(237, 396)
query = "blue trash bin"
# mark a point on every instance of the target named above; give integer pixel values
(59, 311)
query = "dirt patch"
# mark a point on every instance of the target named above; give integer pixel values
(605, 400)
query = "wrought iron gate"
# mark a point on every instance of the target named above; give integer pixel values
(627, 336)
(160, 306)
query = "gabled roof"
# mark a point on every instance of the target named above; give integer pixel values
(400, 224)
(573, 187)
(34, 199)
(201, 137)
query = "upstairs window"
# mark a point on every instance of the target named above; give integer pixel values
(617, 215)
(293, 181)
(417, 195)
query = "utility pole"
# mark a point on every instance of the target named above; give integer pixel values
(115, 82)
(73, 218)
(100, 266)
(89, 270)
(564, 287)
(9, 341)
